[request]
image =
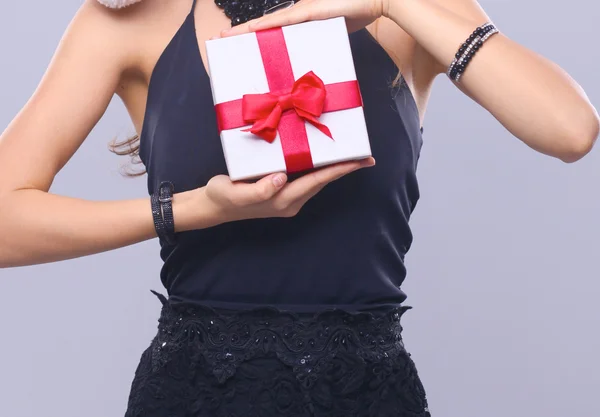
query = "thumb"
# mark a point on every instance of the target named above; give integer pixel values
(271, 184)
(264, 189)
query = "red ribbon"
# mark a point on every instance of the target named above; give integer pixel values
(264, 110)
(288, 105)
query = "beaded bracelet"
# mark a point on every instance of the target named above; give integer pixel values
(468, 49)
(162, 212)
(476, 46)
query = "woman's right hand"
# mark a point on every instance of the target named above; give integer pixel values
(271, 196)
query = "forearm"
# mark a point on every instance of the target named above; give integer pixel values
(531, 96)
(39, 227)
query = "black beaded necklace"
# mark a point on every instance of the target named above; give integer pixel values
(241, 11)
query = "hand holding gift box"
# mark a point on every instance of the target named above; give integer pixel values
(287, 99)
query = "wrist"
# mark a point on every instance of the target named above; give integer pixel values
(390, 8)
(386, 5)
(192, 210)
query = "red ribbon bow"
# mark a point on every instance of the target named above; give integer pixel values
(307, 98)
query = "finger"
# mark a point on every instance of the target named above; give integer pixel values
(245, 27)
(298, 201)
(313, 182)
(331, 173)
(336, 171)
(236, 30)
(261, 190)
(300, 193)
(296, 14)
(369, 162)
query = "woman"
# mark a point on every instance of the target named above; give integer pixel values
(284, 294)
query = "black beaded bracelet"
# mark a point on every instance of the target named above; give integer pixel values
(466, 46)
(468, 49)
(162, 212)
(468, 55)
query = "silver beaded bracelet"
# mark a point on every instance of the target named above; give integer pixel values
(465, 52)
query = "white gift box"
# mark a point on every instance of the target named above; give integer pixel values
(247, 64)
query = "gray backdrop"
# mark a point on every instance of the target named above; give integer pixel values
(503, 274)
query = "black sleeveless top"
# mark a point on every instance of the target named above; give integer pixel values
(344, 249)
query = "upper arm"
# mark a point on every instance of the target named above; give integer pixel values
(411, 57)
(69, 100)
(418, 67)
(466, 9)
(414, 67)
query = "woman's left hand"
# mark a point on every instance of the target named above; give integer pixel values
(358, 14)
(502, 74)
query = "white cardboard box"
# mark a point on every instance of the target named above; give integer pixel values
(236, 68)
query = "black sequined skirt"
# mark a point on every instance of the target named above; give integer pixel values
(265, 362)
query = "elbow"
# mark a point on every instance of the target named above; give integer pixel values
(578, 143)
(576, 149)
(7, 252)
(4, 261)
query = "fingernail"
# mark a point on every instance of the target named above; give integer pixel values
(279, 180)
(367, 163)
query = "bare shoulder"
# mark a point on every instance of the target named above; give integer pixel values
(141, 32)
(120, 32)
(101, 29)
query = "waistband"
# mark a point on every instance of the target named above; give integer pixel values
(304, 341)
(300, 309)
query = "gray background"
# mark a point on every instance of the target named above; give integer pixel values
(503, 274)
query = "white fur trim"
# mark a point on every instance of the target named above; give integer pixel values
(117, 4)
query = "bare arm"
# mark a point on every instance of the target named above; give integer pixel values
(37, 226)
(532, 97)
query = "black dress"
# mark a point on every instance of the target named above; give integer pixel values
(283, 316)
